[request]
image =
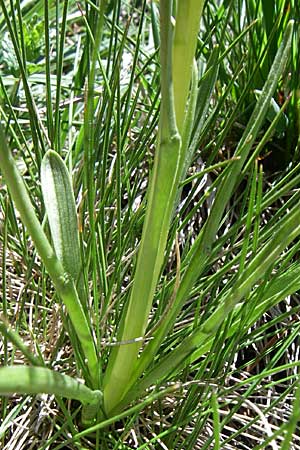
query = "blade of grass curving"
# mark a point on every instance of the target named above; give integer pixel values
(36, 380)
(17, 341)
(186, 156)
(189, 121)
(201, 249)
(62, 281)
(267, 135)
(242, 96)
(250, 215)
(196, 114)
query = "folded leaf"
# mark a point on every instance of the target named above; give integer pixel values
(61, 210)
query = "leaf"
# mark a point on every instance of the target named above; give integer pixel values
(60, 206)
(272, 112)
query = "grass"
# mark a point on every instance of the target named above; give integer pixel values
(149, 225)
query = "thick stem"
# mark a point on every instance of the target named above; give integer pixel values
(38, 380)
(161, 196)
(185, 40)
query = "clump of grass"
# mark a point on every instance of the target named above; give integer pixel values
(151, 313)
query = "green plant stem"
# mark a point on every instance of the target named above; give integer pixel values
(62, 281)
(37, 380)
(161, 197)
(185, 40)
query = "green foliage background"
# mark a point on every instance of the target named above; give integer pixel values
(220, 361)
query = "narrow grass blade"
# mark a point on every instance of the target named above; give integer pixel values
(50, 122)
(11, 416)
(206, 88)
(195, 115)
(60, 38)
(130, 411)
(291, 425)
(216, 421)
(35, 121)
(155, 24)
(17, 341)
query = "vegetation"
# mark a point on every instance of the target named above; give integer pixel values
(149, 156)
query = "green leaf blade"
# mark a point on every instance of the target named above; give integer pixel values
(61, 209)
